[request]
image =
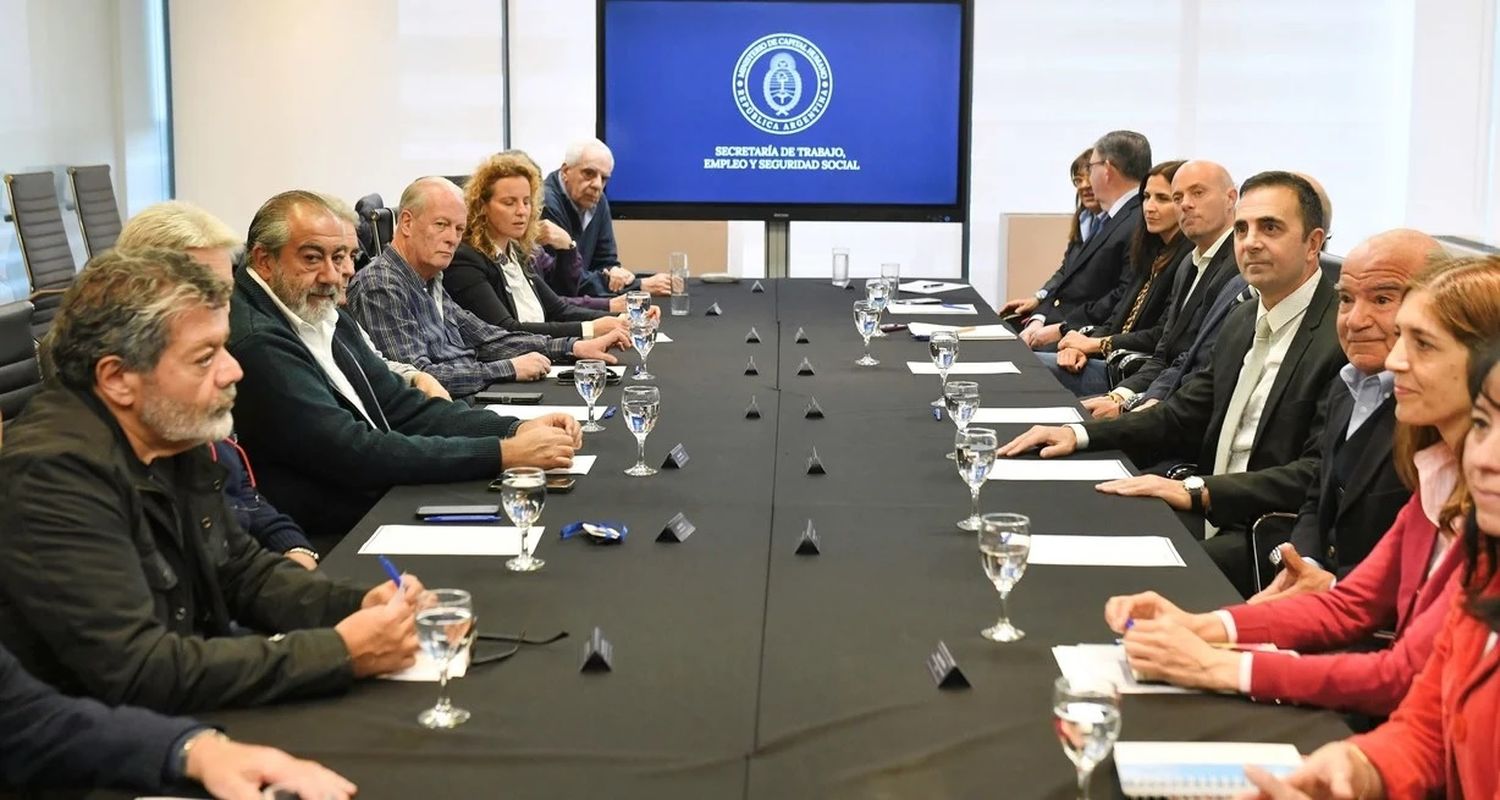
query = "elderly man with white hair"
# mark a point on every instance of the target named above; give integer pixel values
(575, 202)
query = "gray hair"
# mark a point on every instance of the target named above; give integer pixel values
(580, 149)
(270, 229)
(123, 304)
(1129, 151)
(414, 198)
(175, 225)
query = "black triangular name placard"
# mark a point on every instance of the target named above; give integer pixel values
(753, 337)
(677, 529)
(750, 368)
(944, 669)
(813, 410)
(677, 457)
(805, 368)
(713, 311)
(809, 545)
(800, 337)
(752, 411)
(815, 464)
(757, 288)
(598, 654)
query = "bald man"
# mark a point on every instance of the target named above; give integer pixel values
(1358, 493)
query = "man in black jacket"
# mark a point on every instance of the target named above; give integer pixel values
(1251, 420)
(120, 570)
(575, 202)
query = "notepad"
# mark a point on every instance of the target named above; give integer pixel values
(931, 287)
(966, 368)
(966, 309)
(967, 333)
(1104, 551)
(580, 413)
(1031, 469)
(1086, 664)
(581, 466)
(555, 371)
(426, 669)
(446, 540)
(1046, 415)
(1198, 769)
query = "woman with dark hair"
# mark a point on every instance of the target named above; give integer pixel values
(1159, 246)
(1086, 208)
(1405, 584)
(1444, 739)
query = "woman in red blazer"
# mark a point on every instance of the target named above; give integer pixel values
(1406, 581)
(1444, 739)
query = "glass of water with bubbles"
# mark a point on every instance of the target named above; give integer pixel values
(866, 320)
(943, 347)
(637, 306)
(523, 495)
(878, 292)
(642, 405)
(589, 378)
(976, 455)
(1004, 545)
(643, 338)
(961, 400)
(1086, 717)
(445, 627)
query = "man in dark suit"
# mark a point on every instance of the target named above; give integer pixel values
(1084, 290)
(1358, 493)
(1250, 419)
(575, 201)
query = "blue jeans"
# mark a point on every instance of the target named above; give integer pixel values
(1094, 379)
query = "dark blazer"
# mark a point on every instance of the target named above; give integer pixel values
(1199, 354)
(1185, 426)
(1182, 320)
(1151, 320)
(1340, 531)
(274, 530)
(1084, 289)
(120, 581)
(595, 244)
(476, 282)
(316, 456)
(50, 740)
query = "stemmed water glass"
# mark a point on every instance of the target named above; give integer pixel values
(878, 291)
(445, 626)
(642, 405)
(589, 378)
(1004, 544)
(523, 494)
(637, 306)
(976, 455)
(643, 337)
(1087, 720)
(943, 347)
(961, 399)
(866, 320)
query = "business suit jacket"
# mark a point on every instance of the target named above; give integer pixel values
(595, 244)
(477, 283)
(1183, 320)
(1185, 427)
(1084, 289)
(1199, 354)
(1340, 531)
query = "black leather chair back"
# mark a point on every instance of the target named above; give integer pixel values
(20, 372)
(377, 224)
(1332, 265)
(98, 214)
(44, 243)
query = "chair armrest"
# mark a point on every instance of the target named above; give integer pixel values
(1267, 535)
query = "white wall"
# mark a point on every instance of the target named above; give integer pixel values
(347, 97)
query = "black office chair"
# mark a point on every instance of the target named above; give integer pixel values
(377, 224)
(44, 243)
(1268, 534)
(94, 200)
(1332, 265)
(20, 372)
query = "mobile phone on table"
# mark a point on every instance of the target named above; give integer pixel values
(560, 484)
(473, 513)
(510, 398)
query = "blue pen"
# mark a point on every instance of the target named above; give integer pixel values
(390, 569)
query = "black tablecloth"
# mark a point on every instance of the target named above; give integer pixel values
(742, 669)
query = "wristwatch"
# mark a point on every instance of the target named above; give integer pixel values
(1194, 486)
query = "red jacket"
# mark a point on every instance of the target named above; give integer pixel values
(1389, 589)
(1446, 734)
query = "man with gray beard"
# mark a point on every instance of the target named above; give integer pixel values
(120, 572)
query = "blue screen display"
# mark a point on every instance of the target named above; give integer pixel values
(721, 101)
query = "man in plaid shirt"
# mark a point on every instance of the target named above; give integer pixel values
(399, 299)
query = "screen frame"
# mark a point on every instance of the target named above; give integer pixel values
(956, 212)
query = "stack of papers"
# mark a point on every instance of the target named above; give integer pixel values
(965, 309)
(581, 466)
(1049, 415)
(1032, 469)
(447, 540)
(931, 287)
(966, 368)
(1086, 664)
(580, 413)
(968, 333)
(1198, 769)
(1104, 551)
(618, 370)
(426, 669)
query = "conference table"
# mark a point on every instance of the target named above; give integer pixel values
(740, 668)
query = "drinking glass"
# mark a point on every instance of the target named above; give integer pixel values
(878, 292)
(523, 494)
(589, 378)
(943, 346)
(866, 320)
(445, 626)
(679, 262)
(976, 455)
(841, 267)
(1004, 544)
(643, 337)
(637, 306)
(642, 405)
(891, 272)
(961, 399)
(1087, 720)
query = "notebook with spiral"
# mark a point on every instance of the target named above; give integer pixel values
(1197, 769)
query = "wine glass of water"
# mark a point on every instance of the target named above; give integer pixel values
(866, 320)
(637, 306)
(643, 337)
(445, 626)
(642, 405)
(523, 494)
(961, 399)
(589, 378)
(878, 291)
(976, 455)
(943, 347)
(1087, 720)
(1004, 544)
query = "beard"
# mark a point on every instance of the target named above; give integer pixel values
(176, 421)
(313, 306)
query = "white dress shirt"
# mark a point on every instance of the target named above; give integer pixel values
(1369, 392)
(522, 293)
(319, 341)
(1201, 262)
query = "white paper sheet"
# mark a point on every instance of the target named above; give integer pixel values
(426, 670)
(555, 371)
(931, 287)
(580, 413)
(1049, 415)
(963, 309)
(966, 368)
(446, 540)
(581, 466)
(1104, 551)
(1093, 663)
(968, 333)
(662, 338)
(1032, 469)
